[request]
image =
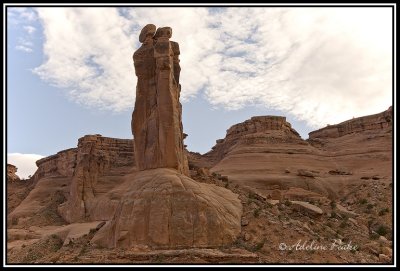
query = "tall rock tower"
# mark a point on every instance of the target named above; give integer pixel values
(157, 117)
(159, 205)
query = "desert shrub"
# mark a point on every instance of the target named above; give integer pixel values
(373, 236)
(383, 211)
(363, 201)
(256, 212)
(252, 195)
(382, 230)
(268, 205)
(258, 246)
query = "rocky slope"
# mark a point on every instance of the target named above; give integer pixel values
(335, 185)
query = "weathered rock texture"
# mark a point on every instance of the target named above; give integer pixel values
(61, 164)
(165, 209)
(257, 130)
(96, 155)
(160, 206)
(157, 117)
(273, 170)
(266, 154)
(375, 122)
(78, 175)
(11, 173)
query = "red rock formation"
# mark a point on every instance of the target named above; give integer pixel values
(260, 129)
(372, 122)
(60, 164)
(157, 117)
(96, 155)
(11, 173)
(160, 206)
(267, 154)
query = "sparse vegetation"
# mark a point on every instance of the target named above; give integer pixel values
(363, 201)
(268, 205)
(252, 195)
(92, 231)
(373, 236)
(258, 246)
(383, 211)
(382, 230)
(159, 258)
(343, 224)
(256, 212)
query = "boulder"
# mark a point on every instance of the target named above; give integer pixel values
(306, 207)
(162, 208)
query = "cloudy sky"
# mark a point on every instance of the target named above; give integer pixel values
(70, 70)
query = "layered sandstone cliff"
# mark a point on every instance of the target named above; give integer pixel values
(75, 175)
(259, 130)
(96, 156)
(266, 154)
(381, 121)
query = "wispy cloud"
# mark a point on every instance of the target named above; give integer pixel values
(30, 29)
(23, 17)
(24, 48)
(321, 65)
(19, 15)
(26, 163)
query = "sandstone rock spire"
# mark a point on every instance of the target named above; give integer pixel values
(157, 117)
(158, 206)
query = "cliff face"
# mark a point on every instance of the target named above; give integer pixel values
(115, 153)
(266, 154)
(257, 130)
(11, 173)
(375, 122)
(96, 156)
(61, 164)
(76, 175)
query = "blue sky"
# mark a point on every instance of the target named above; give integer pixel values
(70, 72)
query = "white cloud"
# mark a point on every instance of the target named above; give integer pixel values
(24, 45)
(25, 163)
(19, 16)
(322, 65)
(30, 29)
(23, 48)
(21, 13)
